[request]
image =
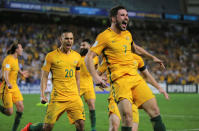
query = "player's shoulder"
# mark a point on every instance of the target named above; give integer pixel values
(52, 53)
(8, 58)
(105, 32)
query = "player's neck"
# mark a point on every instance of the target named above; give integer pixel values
(65, 51)
(115, 29)
(15, 55)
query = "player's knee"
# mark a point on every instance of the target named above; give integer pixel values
(20, 108)
(127, 118)
(79, 125)
(114, 126)
(91, 105)
(155, 111)
(9, 112)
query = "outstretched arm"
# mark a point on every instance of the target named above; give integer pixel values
(153, 82)
(139, 50)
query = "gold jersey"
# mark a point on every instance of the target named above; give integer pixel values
(116, 49)
(63, 67)
(10, 64)
(86, 79)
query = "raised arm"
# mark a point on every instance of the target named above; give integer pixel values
(140, 51)
(44, 79)
(153, 82)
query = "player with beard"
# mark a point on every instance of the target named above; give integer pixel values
(116, 44)
(9, 91)
(64, 64)
(86, 82)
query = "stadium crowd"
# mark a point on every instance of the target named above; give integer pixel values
(175, 44)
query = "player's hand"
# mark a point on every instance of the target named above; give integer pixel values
(44, 100)
(162, 91)
(100, 82)
(160, 62)
(9, 86)
(25, 74)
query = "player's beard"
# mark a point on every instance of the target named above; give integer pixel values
(119, 25)
(83, 52)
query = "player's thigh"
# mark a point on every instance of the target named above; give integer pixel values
(141, 93)
(54, 111)
(75, 111)
(151, 107)
(7, 100)
(121, 89)
(17, 99)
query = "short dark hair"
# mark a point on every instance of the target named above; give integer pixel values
(13, 48)
(65, 31)
(113, 12)
(87, 40)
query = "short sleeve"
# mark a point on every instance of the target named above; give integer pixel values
(99, 44)
(78, 64)
(47, 63)
(7, 65)
(141, 65)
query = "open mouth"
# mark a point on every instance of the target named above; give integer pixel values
(68, 45)
(124, 24)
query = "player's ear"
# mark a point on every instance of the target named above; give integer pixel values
(113, 19)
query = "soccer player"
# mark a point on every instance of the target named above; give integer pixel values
(9, 91)
(116, 43)
(114, 115)
(86, 82)
(64, 64)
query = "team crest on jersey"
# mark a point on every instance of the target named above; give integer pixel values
(134, 62)
(75, 62)
(95, 44)
(7, 65)
(127, 38)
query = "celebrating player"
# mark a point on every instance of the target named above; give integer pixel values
(9, 91)
(64, 64)
(116, 43)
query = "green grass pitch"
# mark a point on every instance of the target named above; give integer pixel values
(180, 113)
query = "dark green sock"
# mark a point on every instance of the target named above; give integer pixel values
(17, 120)
(157, 123)
(2, 109)
(92, 119)
(126, 128)
(36, 127)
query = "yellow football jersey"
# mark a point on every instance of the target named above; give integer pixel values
(86, 79)
(116, 49)
(63, 67)
(10, 64)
